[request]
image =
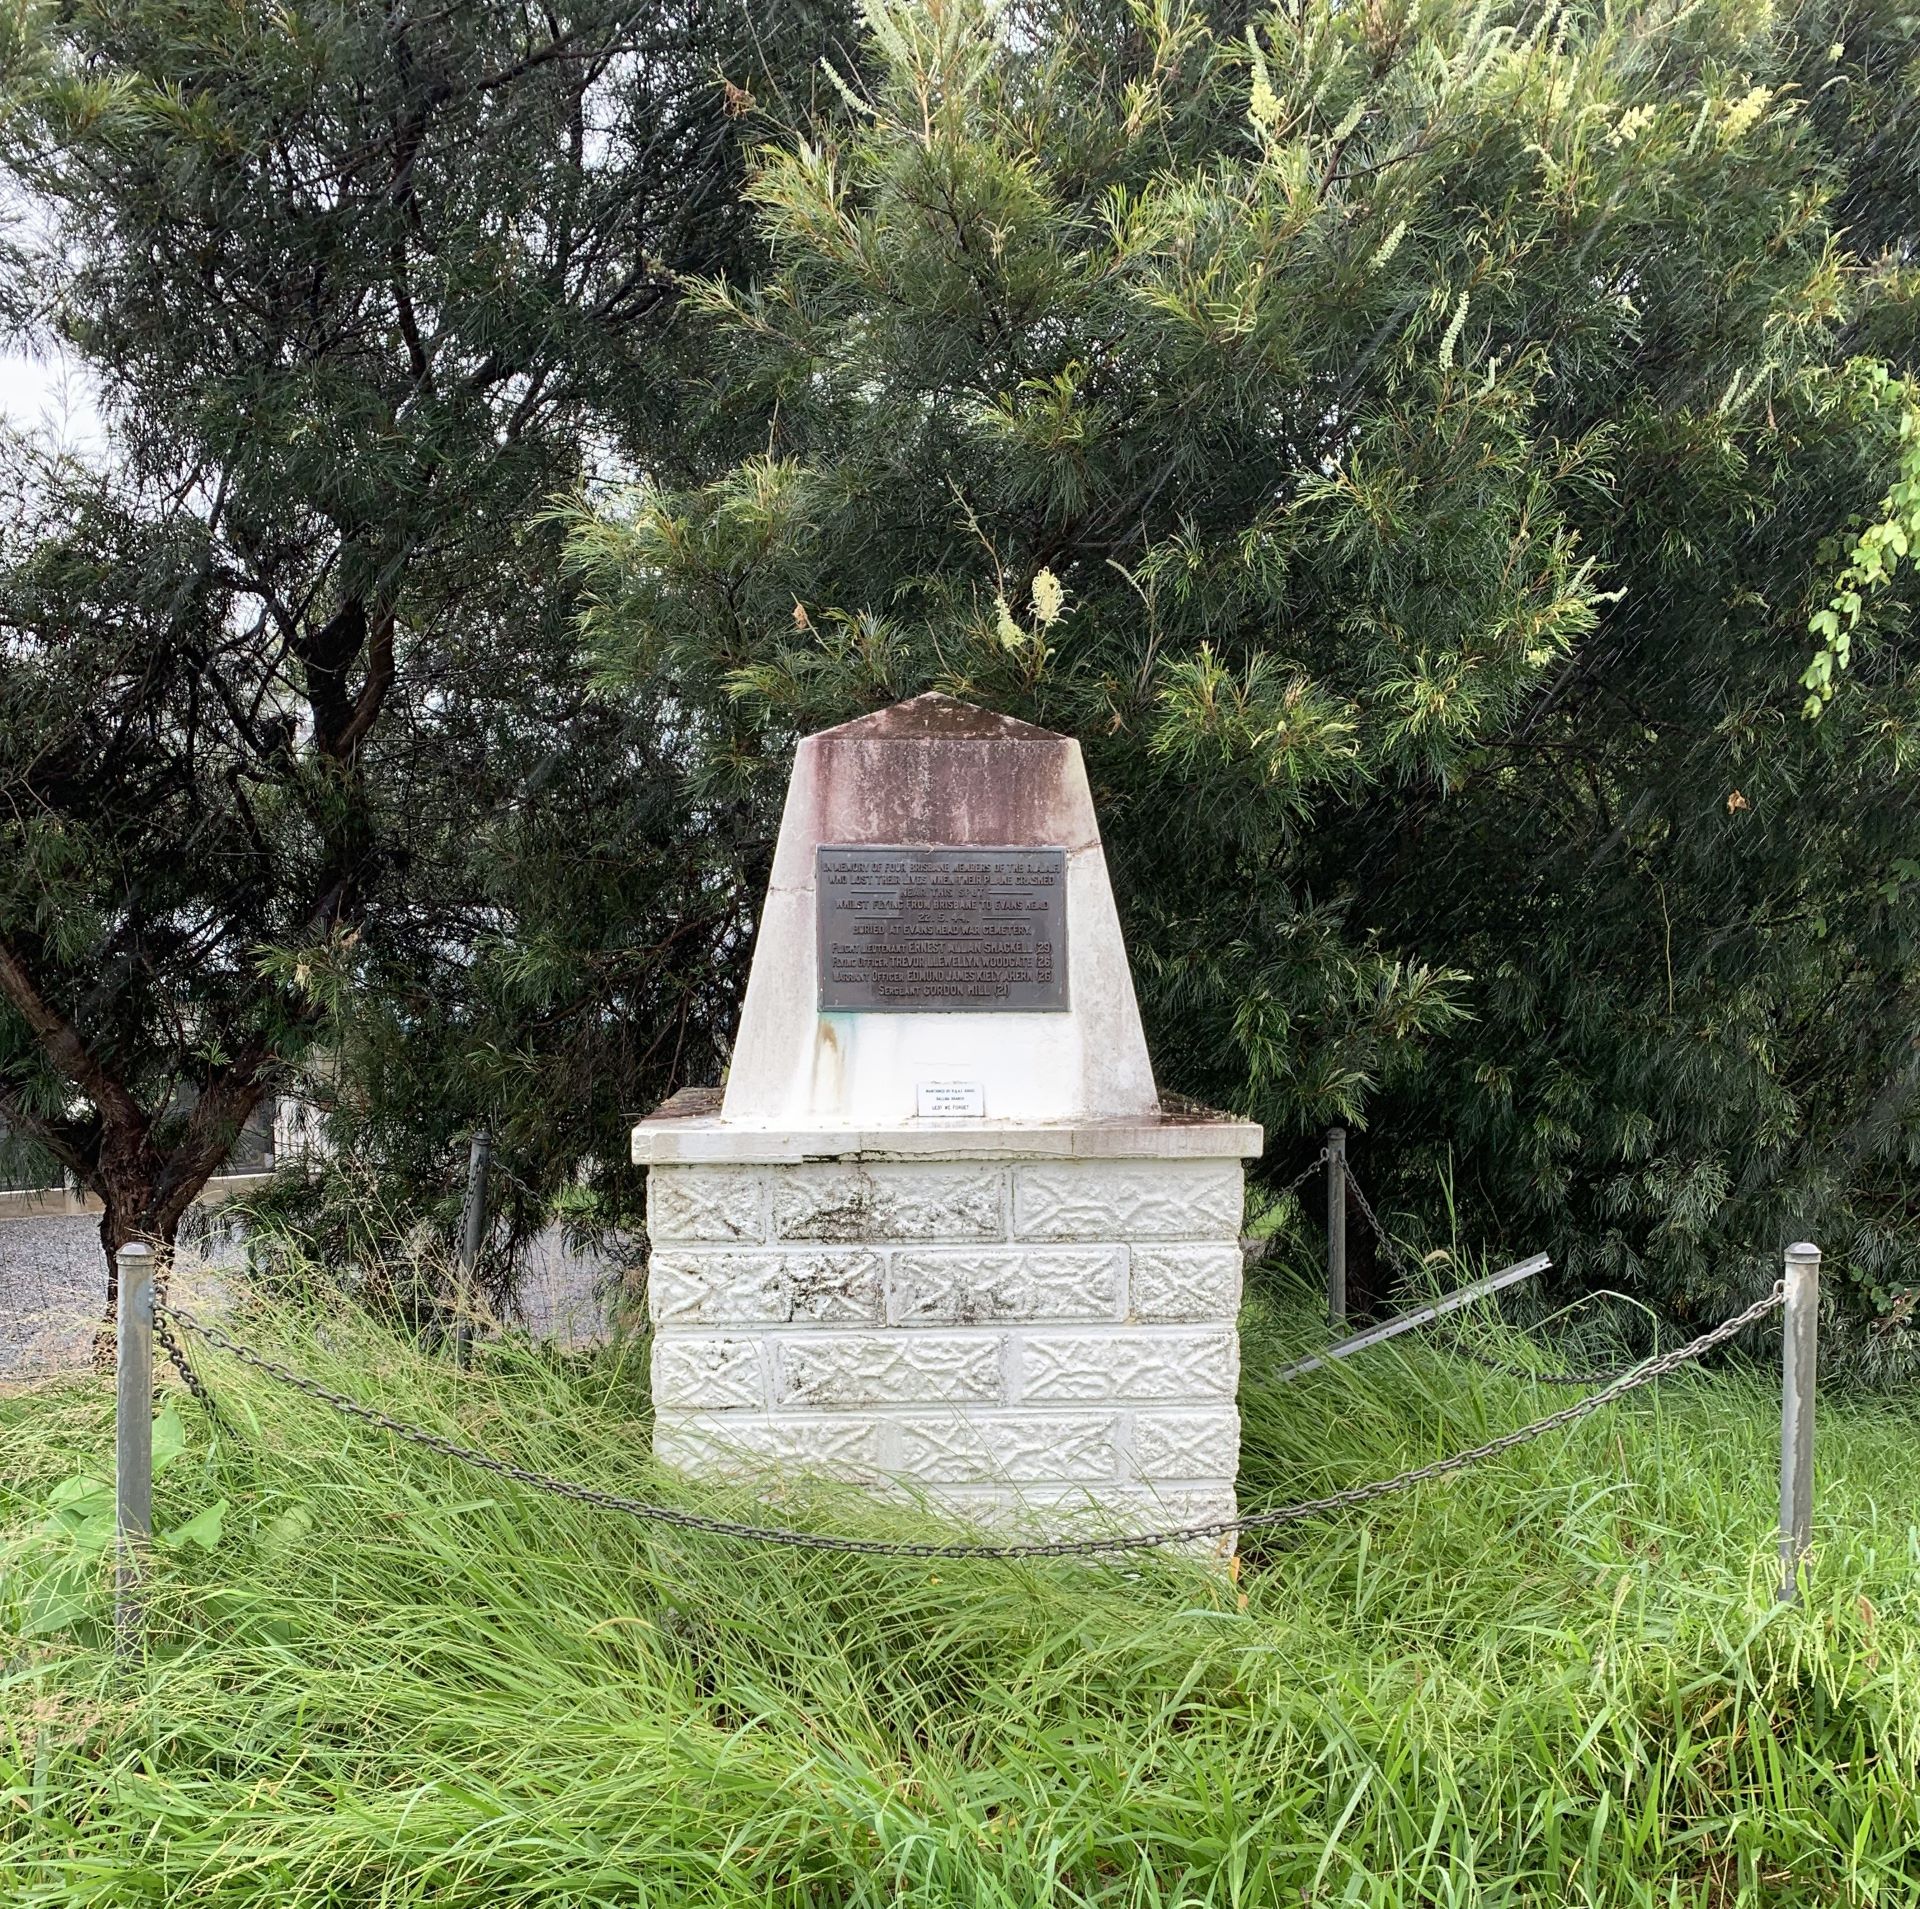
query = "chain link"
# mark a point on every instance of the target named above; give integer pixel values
(1628, 1381)
(176, 1353)
(177, 1356)
(1053, 1548)
(1312, 1167)
(1389, 1245)
(1260, 1244)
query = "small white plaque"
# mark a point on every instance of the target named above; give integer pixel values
(951, 1099)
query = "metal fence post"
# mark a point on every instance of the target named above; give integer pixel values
(473, 1230)
(1337, 1225)
(132, 1438)
(1800, 1328)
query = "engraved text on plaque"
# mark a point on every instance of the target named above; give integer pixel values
(942, 930)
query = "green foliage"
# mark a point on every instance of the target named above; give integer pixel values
(1559, 1678)
(298, 769)
(1876, 556)
(50, 1577)
(1438, 423)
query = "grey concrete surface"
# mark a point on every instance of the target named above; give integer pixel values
(53, 1292)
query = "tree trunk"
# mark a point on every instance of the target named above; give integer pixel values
(113, 1236)
(144, 1194)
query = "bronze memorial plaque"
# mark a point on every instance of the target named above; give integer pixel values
(942, 930)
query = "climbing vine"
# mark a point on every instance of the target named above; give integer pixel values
(1880, 545)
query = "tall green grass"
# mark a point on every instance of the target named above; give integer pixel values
(1560, 1678)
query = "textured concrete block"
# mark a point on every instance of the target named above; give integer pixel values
(1136, 1363)
(895, 1202)
(835, 1447)
(826, 1285)
(707, 1204)
(711, 1371)
(989, 1448)
(879, 1368)
(876, 1321)
(1093, 1510)
(1185, 1282)
(1175, 1445)
(964, 1286)
(1130, 1200)
(1160, 1508)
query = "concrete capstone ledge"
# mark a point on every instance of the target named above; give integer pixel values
(678, 1135)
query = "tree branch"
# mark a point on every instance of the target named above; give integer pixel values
(63, 1139)
(218, 1115)
(373, 692)
(62, 1045)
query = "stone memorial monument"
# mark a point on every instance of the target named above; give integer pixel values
(939, 1232)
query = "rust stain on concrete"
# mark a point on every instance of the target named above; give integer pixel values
(935, 770)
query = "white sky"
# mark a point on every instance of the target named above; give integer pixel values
(43, 390)
(51, 394)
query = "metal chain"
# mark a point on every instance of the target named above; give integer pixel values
(176, 1352)
(1312, 1167)
(1054, 1548)
(1264, 1242)
(1394, 1250)
(1628, 1381)
(1486, 1361)
(177, 1356)
(497, 1166)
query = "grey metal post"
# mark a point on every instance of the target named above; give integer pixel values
(473, 1230)
(1800, 1328)
(1337, 1225)
(132, 1438)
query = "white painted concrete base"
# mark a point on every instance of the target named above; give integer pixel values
(1045, 1343)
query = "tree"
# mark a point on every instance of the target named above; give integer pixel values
(361, 290)
(1414, 447)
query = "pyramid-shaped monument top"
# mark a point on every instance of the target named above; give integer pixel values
(939, 939)
(937, 718)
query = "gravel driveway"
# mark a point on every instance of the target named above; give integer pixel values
(53, 1292)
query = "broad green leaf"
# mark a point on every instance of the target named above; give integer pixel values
(202, 1529)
